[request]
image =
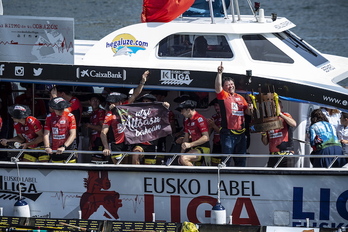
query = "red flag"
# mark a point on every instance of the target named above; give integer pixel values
(164, 10)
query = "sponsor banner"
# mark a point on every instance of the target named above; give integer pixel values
(37, 39)
(143, 122)
(132, 195)
(166, 79)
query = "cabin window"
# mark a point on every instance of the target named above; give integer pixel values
(262, 49)
(343, 83)
(302, 48)
(200, 46)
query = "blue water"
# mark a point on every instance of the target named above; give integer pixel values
(322, 23)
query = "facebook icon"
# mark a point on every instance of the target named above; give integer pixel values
(2, 68)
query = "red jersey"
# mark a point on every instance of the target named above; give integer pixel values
(59, 127)
(95, 118)
(29, 130)
(276, 137)
(232, 110)
(76, 109)
(217, 120)
(117, 127)
(195, 126)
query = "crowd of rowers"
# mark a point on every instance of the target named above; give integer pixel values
(228, 128)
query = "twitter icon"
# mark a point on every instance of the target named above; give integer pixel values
(37, 72)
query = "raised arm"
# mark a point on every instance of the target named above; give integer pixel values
(140, 87)
(218, 79)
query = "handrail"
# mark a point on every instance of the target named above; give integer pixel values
(173, 155)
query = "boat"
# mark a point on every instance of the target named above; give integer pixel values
(262, 54)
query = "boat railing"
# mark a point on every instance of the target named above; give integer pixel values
(17, 153)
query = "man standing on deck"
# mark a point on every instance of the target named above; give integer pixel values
(233, 108)
(61, 125)
(75, 105)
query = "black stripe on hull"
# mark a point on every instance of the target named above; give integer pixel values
(166, 79)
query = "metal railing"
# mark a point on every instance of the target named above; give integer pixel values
(172, 156)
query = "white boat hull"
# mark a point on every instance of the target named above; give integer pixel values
(252, 196)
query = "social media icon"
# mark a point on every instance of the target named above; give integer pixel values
(2, 69)
(37, 72)
(19, 71)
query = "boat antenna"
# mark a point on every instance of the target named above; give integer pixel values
(211, 10)
(254, 10)
(232, 11)
(224, 8)
(234, 6)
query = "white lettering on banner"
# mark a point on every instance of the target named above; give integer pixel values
(141, 124)
(2, 69)
(146, 130)
(175, 77)
(143, 113)
(98, 74)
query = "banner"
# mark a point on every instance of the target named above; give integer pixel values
(144, 121)
(36, 40)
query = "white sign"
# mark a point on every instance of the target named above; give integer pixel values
(37, 39)
(133, 195)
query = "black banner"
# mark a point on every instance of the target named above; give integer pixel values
(168, 79)
(144, 122)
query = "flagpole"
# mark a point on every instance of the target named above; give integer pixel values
(224, 8)
(1, 8)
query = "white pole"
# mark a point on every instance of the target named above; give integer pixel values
(1, 209)
(224, 7)
(211, 11)
(1, 8)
